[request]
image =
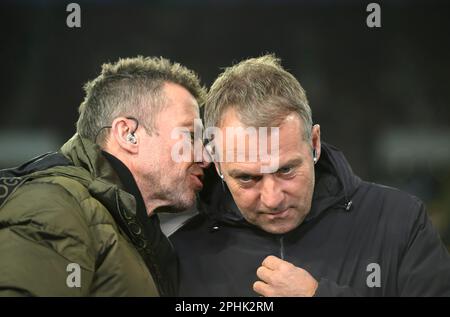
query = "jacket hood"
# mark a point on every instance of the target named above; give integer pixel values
(335, 185)
(84, 153)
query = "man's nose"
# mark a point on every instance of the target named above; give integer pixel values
(203, 164)
(271, 194)
(206, 158)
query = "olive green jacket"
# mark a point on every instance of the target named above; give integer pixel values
(70, 214)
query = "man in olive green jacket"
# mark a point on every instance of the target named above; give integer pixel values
(82, 222)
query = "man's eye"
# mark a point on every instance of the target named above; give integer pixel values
(285, 170)
(245, 178)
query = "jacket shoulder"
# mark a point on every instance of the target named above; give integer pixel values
(395, 212)
(58, 198)
(74, 182)
(390, 197)
(48, 214)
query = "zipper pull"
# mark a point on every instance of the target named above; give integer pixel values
(348, 205)
(214, 227)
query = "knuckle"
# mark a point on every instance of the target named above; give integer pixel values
(271, 258)
(259, 271)
(284, 267)
(267, 260)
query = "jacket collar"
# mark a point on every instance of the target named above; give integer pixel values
(105, 184)
(335, 182)
(84, 153)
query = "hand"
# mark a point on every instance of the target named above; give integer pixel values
(281, 278)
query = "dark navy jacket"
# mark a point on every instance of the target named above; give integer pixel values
(354, 227)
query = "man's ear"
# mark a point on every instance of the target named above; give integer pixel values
(315, 139)
(124, 135)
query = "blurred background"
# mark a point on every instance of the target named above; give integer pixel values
(381, 95)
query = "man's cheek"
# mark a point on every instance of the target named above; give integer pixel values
(244, 203)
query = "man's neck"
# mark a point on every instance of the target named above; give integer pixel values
(157, 205)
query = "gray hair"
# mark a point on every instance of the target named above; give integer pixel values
(131, 87)
(262, 93)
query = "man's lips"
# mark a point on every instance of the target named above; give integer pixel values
(278, 214)
(197, 179)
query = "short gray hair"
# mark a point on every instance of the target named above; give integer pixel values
(131, 87)
(262, 93)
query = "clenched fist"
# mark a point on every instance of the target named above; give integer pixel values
(281, 278)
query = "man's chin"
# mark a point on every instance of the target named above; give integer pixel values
(185, 203)
(278, 228)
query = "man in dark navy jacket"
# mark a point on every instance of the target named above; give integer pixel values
(308, 227)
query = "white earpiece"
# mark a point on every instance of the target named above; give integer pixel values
(131, 138)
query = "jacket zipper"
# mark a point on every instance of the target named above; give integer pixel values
(145, 251)
(282, 247)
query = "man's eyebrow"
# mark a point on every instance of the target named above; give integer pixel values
(293, 162)
(186, 123)
(237, 172)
